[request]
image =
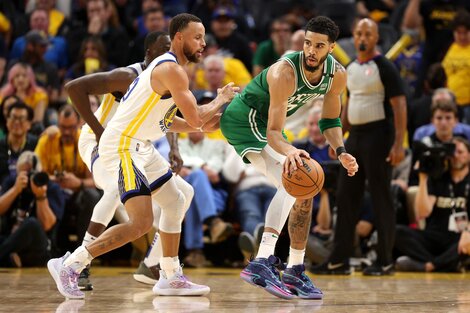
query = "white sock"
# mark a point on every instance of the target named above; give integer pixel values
(169, 265)
(88, 239)
(296, 257)
(267, 245)
(154, 253)
(79, 259)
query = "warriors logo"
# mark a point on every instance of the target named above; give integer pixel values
(166, 122)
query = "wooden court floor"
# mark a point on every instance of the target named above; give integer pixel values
(33, 290)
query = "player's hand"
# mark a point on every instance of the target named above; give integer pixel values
(464, 243)
(227, 92)
(213, 124)
(176, 161)
(349, 163)
(294, 160)
(396, 154)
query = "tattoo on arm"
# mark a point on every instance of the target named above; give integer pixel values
(339, 67)
(300, 219)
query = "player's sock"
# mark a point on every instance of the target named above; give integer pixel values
(169, 265)
(154, 253)
(267, 245)
(296, 257)
(79, 259)
(89, 238)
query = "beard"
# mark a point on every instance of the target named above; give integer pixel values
(314, 68)
(192, 57)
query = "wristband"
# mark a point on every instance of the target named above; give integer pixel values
(327, 123)
(41, 198)
(340, 150)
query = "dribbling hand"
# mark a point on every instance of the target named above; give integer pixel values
(294, 159)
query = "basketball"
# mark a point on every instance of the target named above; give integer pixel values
(306, 182)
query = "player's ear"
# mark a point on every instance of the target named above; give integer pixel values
(332, 46)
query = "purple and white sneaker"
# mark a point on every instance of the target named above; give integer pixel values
(65, 278)
(178, 285)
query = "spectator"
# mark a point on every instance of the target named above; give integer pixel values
(456, 63)
(92, 58)
(18, 139)
(235, 71)
(153, 20)
(57, 20)
(103, 22)
(61, 160)
(376, 103)
(419, 110)
(203, 160)
(441, 201)
(21, 82)
(4, 105)
(32, 207)
(269, 51)
(57, 48)
(223, 28)
(214, 72)
(45, 72)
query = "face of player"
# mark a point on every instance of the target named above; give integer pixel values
(316, 49)
(159, 47)
(461, 157)
(366, 36)
(193, 41)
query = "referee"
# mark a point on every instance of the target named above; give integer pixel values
(376, 118)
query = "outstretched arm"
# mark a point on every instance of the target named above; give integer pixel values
(97, 84)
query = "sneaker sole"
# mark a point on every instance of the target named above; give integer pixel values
(55, 276)
(87, 287)
(300, 294)
(141, 278)
(272, 289)
(180, 292)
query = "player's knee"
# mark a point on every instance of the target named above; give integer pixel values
(173, 214)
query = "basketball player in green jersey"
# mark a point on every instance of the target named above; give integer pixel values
(253, 124)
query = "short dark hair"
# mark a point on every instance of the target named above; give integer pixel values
(180, 22)
(436, 76)
(152, 10)
(20, 105)
(323, 25)
(447, 106)
(67, 110)
(152, 37)
(462, 18)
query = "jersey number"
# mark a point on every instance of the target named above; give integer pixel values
(131, 87)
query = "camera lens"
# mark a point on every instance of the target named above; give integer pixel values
(40, 179)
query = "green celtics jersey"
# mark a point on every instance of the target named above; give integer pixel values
(256, 93)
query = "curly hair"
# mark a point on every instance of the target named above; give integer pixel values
(323, 25)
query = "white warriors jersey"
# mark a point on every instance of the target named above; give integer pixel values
(109, 105)
(143, 114)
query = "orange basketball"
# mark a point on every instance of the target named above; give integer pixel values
(306, 182)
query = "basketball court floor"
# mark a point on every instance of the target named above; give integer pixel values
(33, 290)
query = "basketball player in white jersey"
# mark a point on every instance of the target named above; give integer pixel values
(114, 84)
(147, 111)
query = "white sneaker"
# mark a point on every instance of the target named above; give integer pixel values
(178, 285)
(65, 278)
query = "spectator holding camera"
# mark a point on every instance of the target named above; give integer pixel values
(443, 202)
(31, 207)
(59, 155)
(18, 123)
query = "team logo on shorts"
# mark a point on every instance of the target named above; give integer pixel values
(166, 122)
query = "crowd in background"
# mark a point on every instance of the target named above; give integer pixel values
(46, 43)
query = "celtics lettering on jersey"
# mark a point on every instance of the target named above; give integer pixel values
(256, 93)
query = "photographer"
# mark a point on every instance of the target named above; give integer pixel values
(30, 207)
(443, 202)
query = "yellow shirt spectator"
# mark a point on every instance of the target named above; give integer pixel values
(456, 64)
(56, 18)
(57, 158)
(235, 72)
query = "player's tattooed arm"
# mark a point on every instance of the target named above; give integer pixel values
(339, 67)
(300, 218)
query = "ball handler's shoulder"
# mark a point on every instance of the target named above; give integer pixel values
(339, 67)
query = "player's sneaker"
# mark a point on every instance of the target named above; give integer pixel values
(84, 282)
(147, 275)
(65, 277)
(263, 272)
(300, 284)
(178, 285)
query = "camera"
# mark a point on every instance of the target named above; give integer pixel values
(39, 178)
(433, 157)
(331, 170)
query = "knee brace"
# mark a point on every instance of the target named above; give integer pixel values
(171, 201)
(187, 190)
